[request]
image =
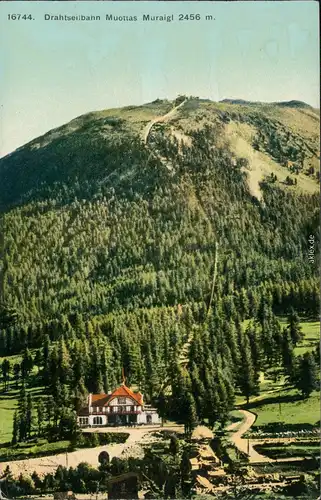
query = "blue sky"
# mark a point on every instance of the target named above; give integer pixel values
(51, 72)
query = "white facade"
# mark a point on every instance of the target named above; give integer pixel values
(149, 416)
(119, 408)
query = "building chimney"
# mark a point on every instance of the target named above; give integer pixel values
(89, 401)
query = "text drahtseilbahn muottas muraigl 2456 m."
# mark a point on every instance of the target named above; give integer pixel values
(130, 18)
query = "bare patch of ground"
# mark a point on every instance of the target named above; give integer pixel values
(202, 432)
(240, 137)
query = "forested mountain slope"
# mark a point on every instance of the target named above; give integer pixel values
(108, 244)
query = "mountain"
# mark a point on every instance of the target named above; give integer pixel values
(274, 138)
(287, 104)
(127, 230)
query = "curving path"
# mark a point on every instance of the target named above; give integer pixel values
(246, 445)
(160, 119)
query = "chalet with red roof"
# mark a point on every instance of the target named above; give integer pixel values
(120, 407)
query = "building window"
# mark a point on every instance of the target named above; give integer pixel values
(132, 408)
(98, 421)
(121, 401)
(83, 420)
(149, 419)
(111, 409)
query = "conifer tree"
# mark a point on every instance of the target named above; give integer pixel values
(294, 327)
(287, 352)
(17, 371)
(63, 362)
(247, 378)
(45, 360)
(189, 413)
(40, 416)
(306, 374)
(22, 414)
(26, 364)
(49, 409)
(212, 407)
(15, 429)
(5, 368)
(256, 351)
(29, 415)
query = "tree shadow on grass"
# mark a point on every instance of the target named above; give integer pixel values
(5, 396)
(274, 399)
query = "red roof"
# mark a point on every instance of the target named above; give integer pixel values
(99, 399)
(122, 391)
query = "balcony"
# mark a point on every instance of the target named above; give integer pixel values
(115, 410)
(123, 412)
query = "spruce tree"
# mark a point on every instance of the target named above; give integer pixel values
(22, 412)
(49, 409)
(15, 429)
(29, 415)
(294, 327)
(40, 416)
(17, 371)
(256, 350)
(45, 360)
(212, 407)
(247, 379)
(26, 364)
(287, 352)
(189, 415)
(6, 367)
(306, 374)
(63, 362)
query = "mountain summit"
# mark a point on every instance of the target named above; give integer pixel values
(264, 139)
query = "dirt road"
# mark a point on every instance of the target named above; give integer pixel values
(131, 448)
(245, 445)
(44, 465)
(160, 119)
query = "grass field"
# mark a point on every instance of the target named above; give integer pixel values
(279, 404)
(287, 407)
(7, 407)
(31, 450)
(311, 332)
(8, 404)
